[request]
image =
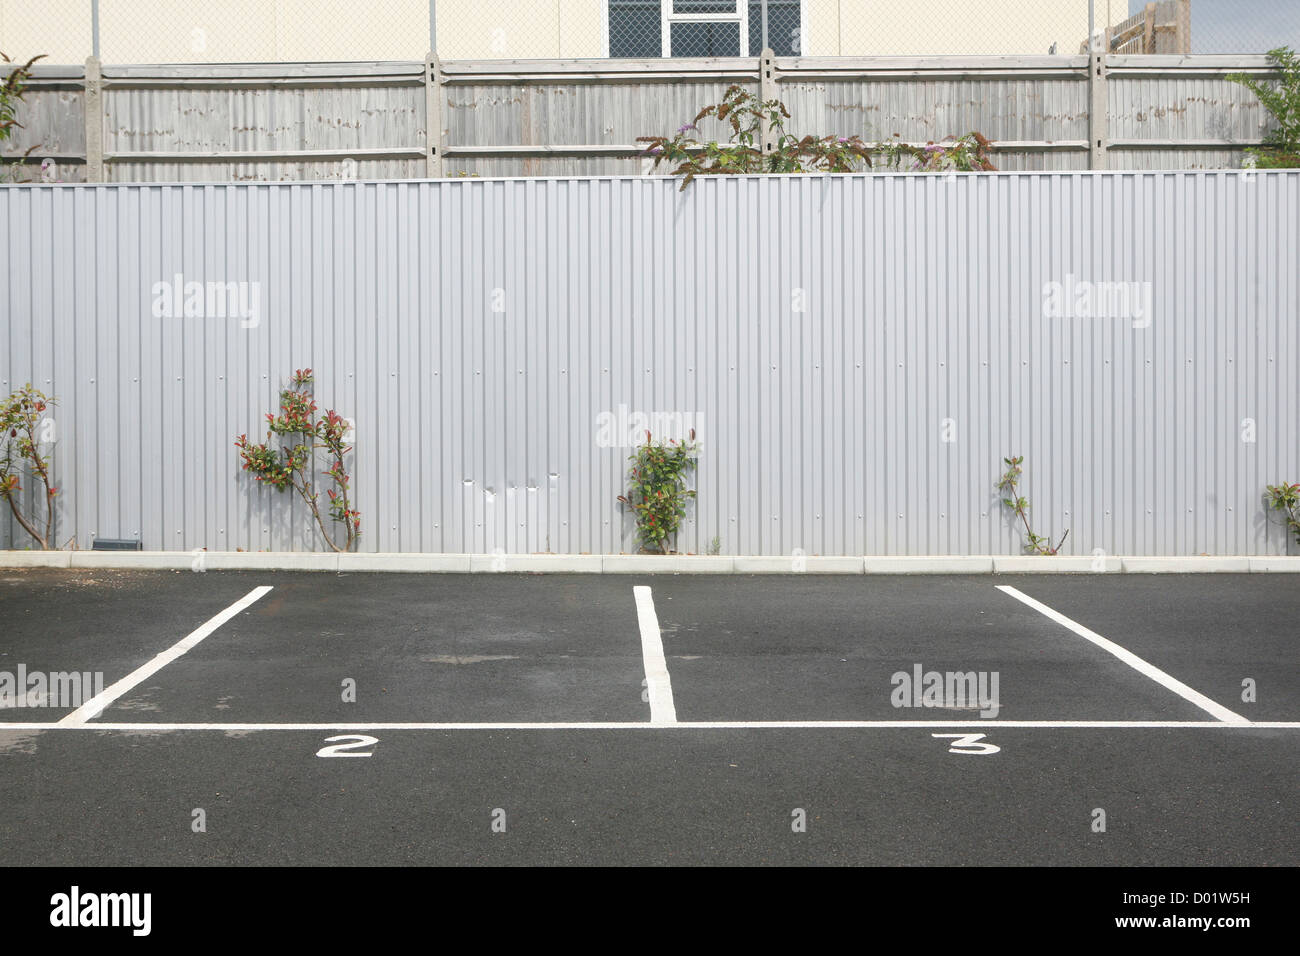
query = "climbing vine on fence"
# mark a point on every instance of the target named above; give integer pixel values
(292, 462)
(657, 489)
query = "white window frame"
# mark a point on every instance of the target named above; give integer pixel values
(667, 17)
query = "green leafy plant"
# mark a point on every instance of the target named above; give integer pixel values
(1281, 149)
(657, 491)
(1007, 484)
(747, 115)
(715, 546)
(11, 94)
(1286, 498)
(21, 459)
(956, 154)
(293, 463)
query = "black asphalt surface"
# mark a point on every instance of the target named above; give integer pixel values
(559, 648)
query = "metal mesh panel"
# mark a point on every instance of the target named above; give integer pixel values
(63, 31)
(173, 31)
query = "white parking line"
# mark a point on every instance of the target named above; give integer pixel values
(658, 684)
(95, 706)
(984, 725)
(1131, 659)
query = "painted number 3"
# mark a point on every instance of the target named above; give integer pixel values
(345, 745)
(969, 744)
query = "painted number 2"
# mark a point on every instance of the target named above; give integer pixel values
(969, 744)
(343, 745)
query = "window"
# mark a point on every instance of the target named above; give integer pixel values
(650, 28)
(784, 27)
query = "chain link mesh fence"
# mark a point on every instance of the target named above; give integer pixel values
(198, 31)
(216, 31)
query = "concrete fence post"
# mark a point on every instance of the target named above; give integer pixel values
(767, 91)
(1098, 106)
(433, 138)
(93, 106)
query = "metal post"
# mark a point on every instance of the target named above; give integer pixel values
(766, 45)
(1092, 25)
(94, 28)
(433, 26)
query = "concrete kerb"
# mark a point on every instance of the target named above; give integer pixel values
(925, 564)
(35, 559)
(1186, 565)
(648, 563)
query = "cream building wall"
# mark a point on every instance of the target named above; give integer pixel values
(170, 31)
(945, 27)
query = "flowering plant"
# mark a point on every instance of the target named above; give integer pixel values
(292, 464)
(658, 492)
(19, 452)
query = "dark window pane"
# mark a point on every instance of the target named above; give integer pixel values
(634, 28)
(704, 6)
(783, 34)
(706, 39)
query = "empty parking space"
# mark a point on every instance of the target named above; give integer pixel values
(104, 624)
(411, 648)
(827, 648)
(1212, 632)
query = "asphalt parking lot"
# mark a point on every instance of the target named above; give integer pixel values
(532, 719)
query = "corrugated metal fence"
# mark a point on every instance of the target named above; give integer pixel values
(857, 353)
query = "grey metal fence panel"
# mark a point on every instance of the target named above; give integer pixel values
(857, 353)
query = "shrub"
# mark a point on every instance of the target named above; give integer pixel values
(743, 153)
(956, 154)
(293, 464)
(657, 490)
(1020, 505)
(11, 94)
(1286, 498)
(20, 459)
(1281, 149)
